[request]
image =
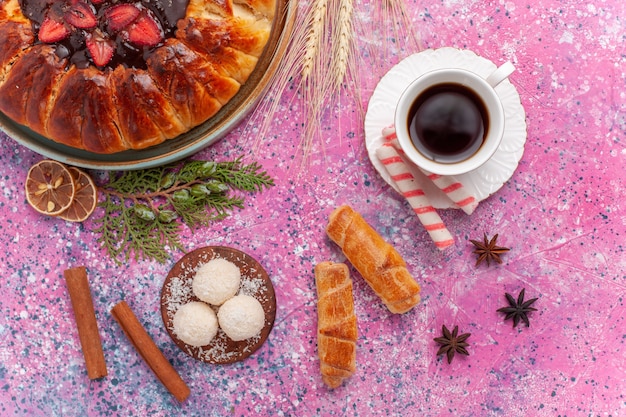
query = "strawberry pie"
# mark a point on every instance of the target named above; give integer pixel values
(111, 75)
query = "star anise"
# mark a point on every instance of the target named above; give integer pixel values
(452, 343)
(518, 309)
(488, 250)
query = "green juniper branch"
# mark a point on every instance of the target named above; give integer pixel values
(143, 211)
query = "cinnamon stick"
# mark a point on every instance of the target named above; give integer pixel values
(149, 351)
(85, 315)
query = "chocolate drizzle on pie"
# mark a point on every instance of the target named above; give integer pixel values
(84, 33)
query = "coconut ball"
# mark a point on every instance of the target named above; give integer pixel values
(216, 281)
(195, 323)
(241, 317)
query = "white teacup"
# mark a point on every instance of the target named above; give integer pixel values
(451, 121)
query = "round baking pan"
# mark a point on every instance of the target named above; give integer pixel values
(188, 143)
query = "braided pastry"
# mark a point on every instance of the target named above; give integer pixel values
(377, 261)
(336, 325)
(110, 75)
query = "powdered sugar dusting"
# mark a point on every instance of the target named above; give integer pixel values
(178, 290)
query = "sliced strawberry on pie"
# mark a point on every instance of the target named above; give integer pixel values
(145, 31)
(100, 48)
(81, 16)
(52, 31)
(121, 15)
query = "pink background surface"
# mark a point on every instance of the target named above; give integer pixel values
(562, 214)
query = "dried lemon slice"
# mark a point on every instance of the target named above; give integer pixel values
(49, 187)
(85, 197)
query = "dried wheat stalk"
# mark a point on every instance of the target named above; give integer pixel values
(395, 18)
(312, 86)
(266, 112)
(341, 45)
(314, 38)
(322, 59)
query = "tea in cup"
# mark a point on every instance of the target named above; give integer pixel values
(451, 121)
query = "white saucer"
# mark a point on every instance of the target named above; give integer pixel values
(483, 181)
